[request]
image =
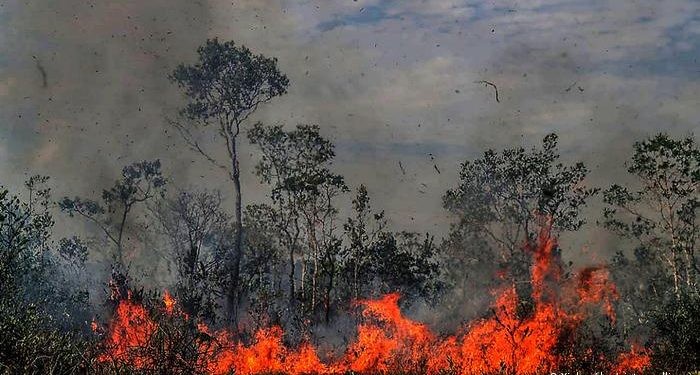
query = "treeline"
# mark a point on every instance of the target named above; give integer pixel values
(295, 261)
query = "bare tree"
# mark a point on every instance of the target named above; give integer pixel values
(199, 233)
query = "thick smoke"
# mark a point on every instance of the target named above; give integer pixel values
(85, 84)
(84, 91)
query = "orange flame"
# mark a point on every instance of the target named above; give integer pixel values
(509, 341)
(635, 361)
(129, 331)
(169, 302)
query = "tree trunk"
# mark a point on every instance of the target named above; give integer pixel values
(238, 235)
(329, 289)
(122, 224)
(291, 276)
(313, 244)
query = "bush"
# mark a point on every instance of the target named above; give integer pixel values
(676, 341)
(30, 345)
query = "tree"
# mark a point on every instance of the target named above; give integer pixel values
(140, 182)
(199, 232)
(25, 231)
(362, 231)
(376, 261)
(38, 306)
(224, 88)
(264, 270)
(661, 215)
(503, 197)
(295, 163)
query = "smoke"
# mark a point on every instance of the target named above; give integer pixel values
(84, 90)
(85, 83)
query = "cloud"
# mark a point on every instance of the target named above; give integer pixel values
(447, 8)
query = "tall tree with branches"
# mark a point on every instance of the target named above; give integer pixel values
(658, 212)
(224, 88)
(661, 216)
(296, 165)
(199, 233)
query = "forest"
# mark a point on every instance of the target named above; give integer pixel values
(300, 284)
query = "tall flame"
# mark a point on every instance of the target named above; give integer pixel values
(129, 331)
(508, 341)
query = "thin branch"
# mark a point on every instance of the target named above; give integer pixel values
(99, 225)
(492, 85)
(193, 144)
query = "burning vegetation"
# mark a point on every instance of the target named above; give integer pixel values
(506, 341)
(301, 285)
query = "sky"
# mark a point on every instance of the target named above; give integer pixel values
(84, 88)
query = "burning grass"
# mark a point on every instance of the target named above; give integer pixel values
(507, 341)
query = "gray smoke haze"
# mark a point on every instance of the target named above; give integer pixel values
(85, 84)
(84, 89)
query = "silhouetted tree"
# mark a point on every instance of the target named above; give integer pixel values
(376, 261)
(39, 306)
(264, 270)
(295, 163)
(363, 230)
(660, 216)
(224, 88)
(199, 233)
(140, 182)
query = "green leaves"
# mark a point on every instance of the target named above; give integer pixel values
(77, 204)
(516, 185)
(34, 294)
(660, 212)
(73, 249)
(140, 182)
(295, 162)
(501, 202)
(663, 156)
(228, 82)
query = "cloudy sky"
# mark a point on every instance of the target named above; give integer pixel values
(84, 89)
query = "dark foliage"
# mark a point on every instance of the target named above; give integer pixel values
(39, 307)
(300, 259)
(501, 202)
(225, 87)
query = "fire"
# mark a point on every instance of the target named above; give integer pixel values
(594, 286)
(268, 354)
(169, 302)
(508, 341)
(129, 331)
(635, 361)
(390, 341)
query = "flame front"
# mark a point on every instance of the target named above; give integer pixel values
(130, 331)
(387, 341)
